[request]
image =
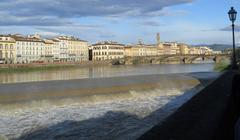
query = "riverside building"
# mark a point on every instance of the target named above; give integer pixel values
(107, 50)
(56, 50)
(7, 50)
(205, 50)
(78, 50)
(49, 44)
(140, 50)
(170, 48)
(72, 49)
(29, 49)
(183, 49)
(63, 48)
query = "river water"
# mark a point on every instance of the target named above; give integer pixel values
(107, 102)
(103, 71)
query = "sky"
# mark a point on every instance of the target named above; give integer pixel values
(126, 21)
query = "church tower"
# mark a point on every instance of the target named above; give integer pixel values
(158, 39)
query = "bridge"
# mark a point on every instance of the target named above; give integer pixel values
(184, 59)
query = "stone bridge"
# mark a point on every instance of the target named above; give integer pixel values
(162, 59)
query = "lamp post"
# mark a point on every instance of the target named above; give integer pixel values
(232, 16)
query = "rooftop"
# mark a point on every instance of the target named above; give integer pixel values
(108, 43)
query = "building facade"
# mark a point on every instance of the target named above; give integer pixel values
(56, 50)
(140, 50)
(7, 50)
(48, 44)
(29, 49)
(78, 49)
(183, 49)
(205, 50)
(63, 48)
(170, 48)
(107, 50)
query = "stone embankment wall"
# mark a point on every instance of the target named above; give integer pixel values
(35, 65)
(210, 115)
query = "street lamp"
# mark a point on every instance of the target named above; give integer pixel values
(232, 16)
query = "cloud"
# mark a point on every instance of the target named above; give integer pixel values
(150, 23)
(60, 12)
(229, 28)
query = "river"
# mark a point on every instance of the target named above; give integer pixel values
(102, 71)
(104, 102)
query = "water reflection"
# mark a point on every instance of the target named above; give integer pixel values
(102, 71)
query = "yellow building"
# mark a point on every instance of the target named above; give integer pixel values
(7, 50)
(141, 50)
(160, 49)
(170, 48)
(194, 50)
(49, 44)
(128, 51)
(184, 50)
(77, 49)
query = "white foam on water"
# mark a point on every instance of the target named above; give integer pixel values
(99, 119)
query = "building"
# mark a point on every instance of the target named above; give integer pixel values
(183, 49)
(200, 50)
(7, 50)
(71, 49)
(217, 52)
(170, 48)
(107, 50)
(63, 48)
(205, 50)
(49, 44)
(56, 50)
(194, 51)
(140, 50)
(77, 50)
(29, 49)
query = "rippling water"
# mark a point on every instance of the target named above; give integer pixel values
(118, 119)
(126, 112)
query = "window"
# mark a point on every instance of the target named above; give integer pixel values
(11, 54)
(6, 54)
(0, 54)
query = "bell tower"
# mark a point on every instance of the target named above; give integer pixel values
(158, 39)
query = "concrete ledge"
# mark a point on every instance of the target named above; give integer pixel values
(206, 116)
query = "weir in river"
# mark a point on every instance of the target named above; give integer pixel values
(117, 102)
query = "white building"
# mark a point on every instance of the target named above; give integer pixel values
(205, 50)
(56, 50)
(71, 49)
(107, 50)
(29, 49)
(63, 48)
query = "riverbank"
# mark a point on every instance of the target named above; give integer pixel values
(205, 117)
(11, 68)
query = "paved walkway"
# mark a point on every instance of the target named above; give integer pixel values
(207, 116)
